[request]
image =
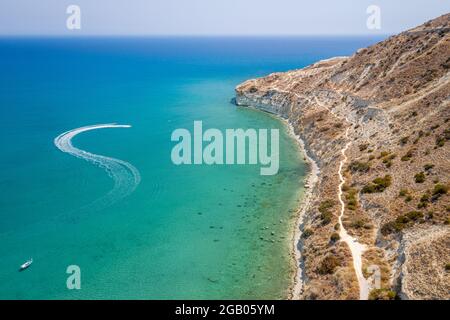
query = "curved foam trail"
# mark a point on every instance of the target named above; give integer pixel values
(126, 177)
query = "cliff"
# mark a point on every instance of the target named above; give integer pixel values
(391, 103)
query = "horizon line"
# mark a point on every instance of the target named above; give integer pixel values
(193, 35)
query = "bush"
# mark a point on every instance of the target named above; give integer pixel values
(420, 177)
(428, 167)
(408, 156)
(324, 210)
(423, 202)
(325, 205)
(387, 160)
(335, 237)
(404, 140)
(328, 265)
(391, 227)
(447, 267)
(356, 166)
(326, 218)
(377, 185)
(382, 294)
(403, 193)
(357, 224)
(383, 154)
(307, 233)
(351, 198)
(401, 222)
(439, 190)
(414, 215)
(440, 140)
(363, 147)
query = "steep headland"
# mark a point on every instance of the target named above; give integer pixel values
(378, 126)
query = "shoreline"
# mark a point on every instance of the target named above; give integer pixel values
(295, 289)
(309, 183)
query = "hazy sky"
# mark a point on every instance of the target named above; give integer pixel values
(214, 17)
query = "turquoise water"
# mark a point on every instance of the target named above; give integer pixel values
(186, 231)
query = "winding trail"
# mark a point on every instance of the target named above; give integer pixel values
(356, 248)
(126, 177)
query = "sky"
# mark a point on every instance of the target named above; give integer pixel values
(214, 17)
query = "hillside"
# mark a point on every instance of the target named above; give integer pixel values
(391, 103)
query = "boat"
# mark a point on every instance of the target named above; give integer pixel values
(26, 265)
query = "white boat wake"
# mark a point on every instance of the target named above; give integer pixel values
(126, 177)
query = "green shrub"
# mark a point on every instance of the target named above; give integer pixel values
(439, 190)
(447, 267)
(414, 215)
(307, 233)
(335, 237)
(404, 140)
(325, 205)
(382, 294)
(423, 202)
(351, 198)
(391, 227)
(326, 217)
(441, 139)
(383, 154)
(377, 185)
(401, 222)
(363, 147)
(357, 224)
(408, 156)
(403, 193)
(420, 177)
(356, 166)
(328, 265)
(428, 167)
(324, 210)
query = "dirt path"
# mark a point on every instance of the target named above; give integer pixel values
(356, 248)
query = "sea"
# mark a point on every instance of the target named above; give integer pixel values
(103, 211)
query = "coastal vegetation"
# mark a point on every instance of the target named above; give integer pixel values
(419, 177)
(382, 294)
(307, 233)
(377, 185)
(329, 265)
(409, 155)
(402, 222)
(324, 209)
(357, 166)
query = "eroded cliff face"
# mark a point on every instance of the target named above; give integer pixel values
(394, 99)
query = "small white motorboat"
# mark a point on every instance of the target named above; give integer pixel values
(26, 265)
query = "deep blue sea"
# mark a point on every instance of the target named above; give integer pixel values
(185, 232)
